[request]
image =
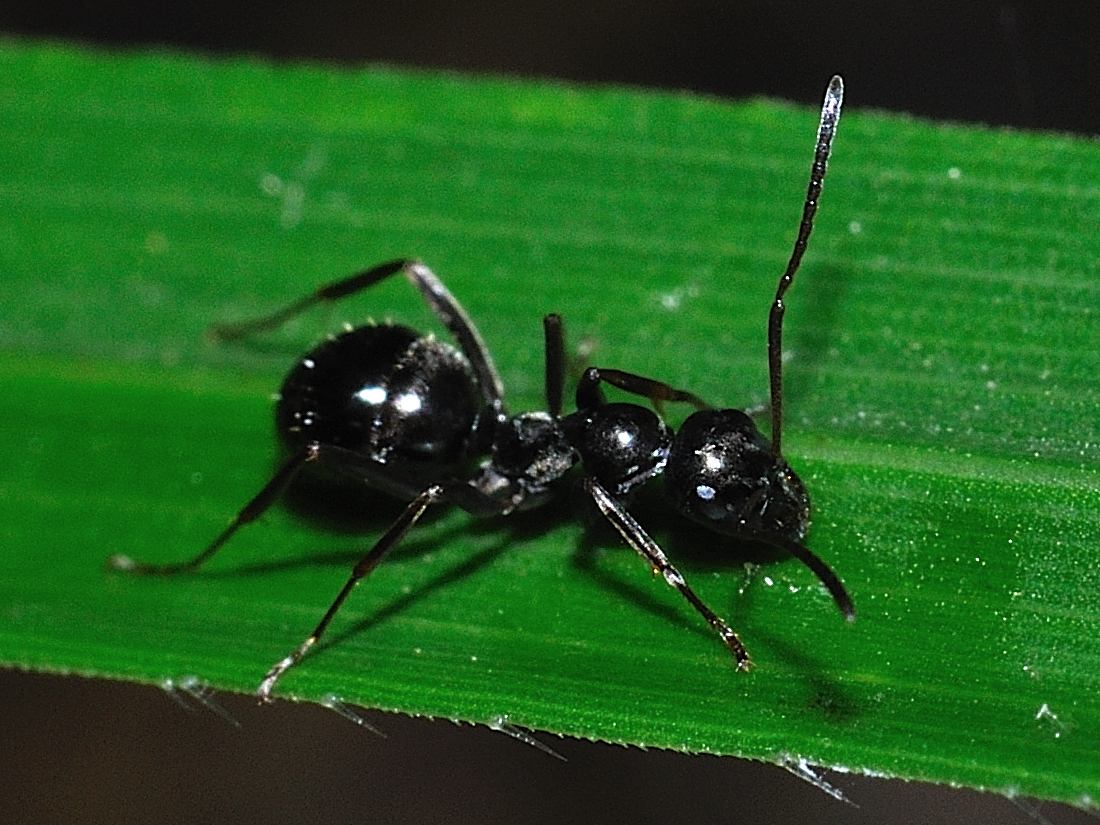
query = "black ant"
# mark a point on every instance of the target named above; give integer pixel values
(407, 414)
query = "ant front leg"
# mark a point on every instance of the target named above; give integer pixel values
(439, 299)
(589, 394)
(636, 536)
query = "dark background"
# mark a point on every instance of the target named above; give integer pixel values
(1023, 64)
(86, 751)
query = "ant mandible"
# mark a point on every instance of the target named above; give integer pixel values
(396, 409)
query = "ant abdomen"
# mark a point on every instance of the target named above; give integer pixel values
(386, 392)
(723, 472)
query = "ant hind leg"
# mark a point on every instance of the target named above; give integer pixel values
(439, 299)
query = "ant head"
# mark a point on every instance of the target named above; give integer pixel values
(723, 473)
(621, 445)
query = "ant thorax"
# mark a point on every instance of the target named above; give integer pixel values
(620, 445)
(530, 452)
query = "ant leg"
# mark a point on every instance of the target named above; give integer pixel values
(371, 560)
(559, 365)
(589, 394)
(825, 573)
(441, 302)
(326, 454)
(459, 493)
(647, 548)
(554, 338)
(267, 496)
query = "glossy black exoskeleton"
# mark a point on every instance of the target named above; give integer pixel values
(384, 392)
(423, 420)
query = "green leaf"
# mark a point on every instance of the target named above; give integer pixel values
(942, 396)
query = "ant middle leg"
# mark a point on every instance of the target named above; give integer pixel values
(560, 365)
(554, 338)
(458, 493)
(439, 299)
(371, 560)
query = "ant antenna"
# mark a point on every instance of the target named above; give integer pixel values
(830, 114)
